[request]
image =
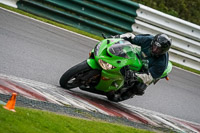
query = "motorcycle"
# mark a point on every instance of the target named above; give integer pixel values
(104, 72)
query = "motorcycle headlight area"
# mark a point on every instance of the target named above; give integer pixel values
(105, 65)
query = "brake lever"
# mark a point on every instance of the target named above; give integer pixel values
(103, 35)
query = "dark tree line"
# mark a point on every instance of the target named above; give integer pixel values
(188, 10)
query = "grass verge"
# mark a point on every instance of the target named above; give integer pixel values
(78, 31)
(186, 68)
(26, 120)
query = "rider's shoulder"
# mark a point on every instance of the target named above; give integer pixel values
(146, 37)
(142, 40)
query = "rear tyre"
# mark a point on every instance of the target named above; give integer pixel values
(76, 76)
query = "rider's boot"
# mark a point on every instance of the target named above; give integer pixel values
(139, 88)
(123, 94)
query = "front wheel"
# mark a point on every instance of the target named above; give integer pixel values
(80, 74)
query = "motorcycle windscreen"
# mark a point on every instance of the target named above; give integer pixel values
(123, 49)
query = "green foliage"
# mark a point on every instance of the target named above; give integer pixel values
(35, 121)
(185, 9)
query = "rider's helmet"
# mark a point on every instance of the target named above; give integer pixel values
(160, 44)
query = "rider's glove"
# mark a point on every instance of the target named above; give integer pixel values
(127, 36)
(115, 36)
(145, 78)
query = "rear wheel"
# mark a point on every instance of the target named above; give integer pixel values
(80, 75)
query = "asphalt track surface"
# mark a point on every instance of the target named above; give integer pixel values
(37, 51)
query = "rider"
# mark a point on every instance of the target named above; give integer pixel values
(154, 50)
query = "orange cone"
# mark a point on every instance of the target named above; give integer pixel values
(11, 103)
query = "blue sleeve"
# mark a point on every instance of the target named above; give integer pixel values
(142, 40)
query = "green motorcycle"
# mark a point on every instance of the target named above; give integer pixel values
(104, 72)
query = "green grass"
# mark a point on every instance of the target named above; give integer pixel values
(26, 120)
(77, 31)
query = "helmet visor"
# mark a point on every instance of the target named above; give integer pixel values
(157, 49)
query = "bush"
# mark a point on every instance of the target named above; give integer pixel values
(185, 9)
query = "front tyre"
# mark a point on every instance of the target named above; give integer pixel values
(77, 76)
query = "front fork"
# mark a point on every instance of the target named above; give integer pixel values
(110, 80)
(93, 64)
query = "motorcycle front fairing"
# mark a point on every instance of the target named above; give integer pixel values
(112, 55)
